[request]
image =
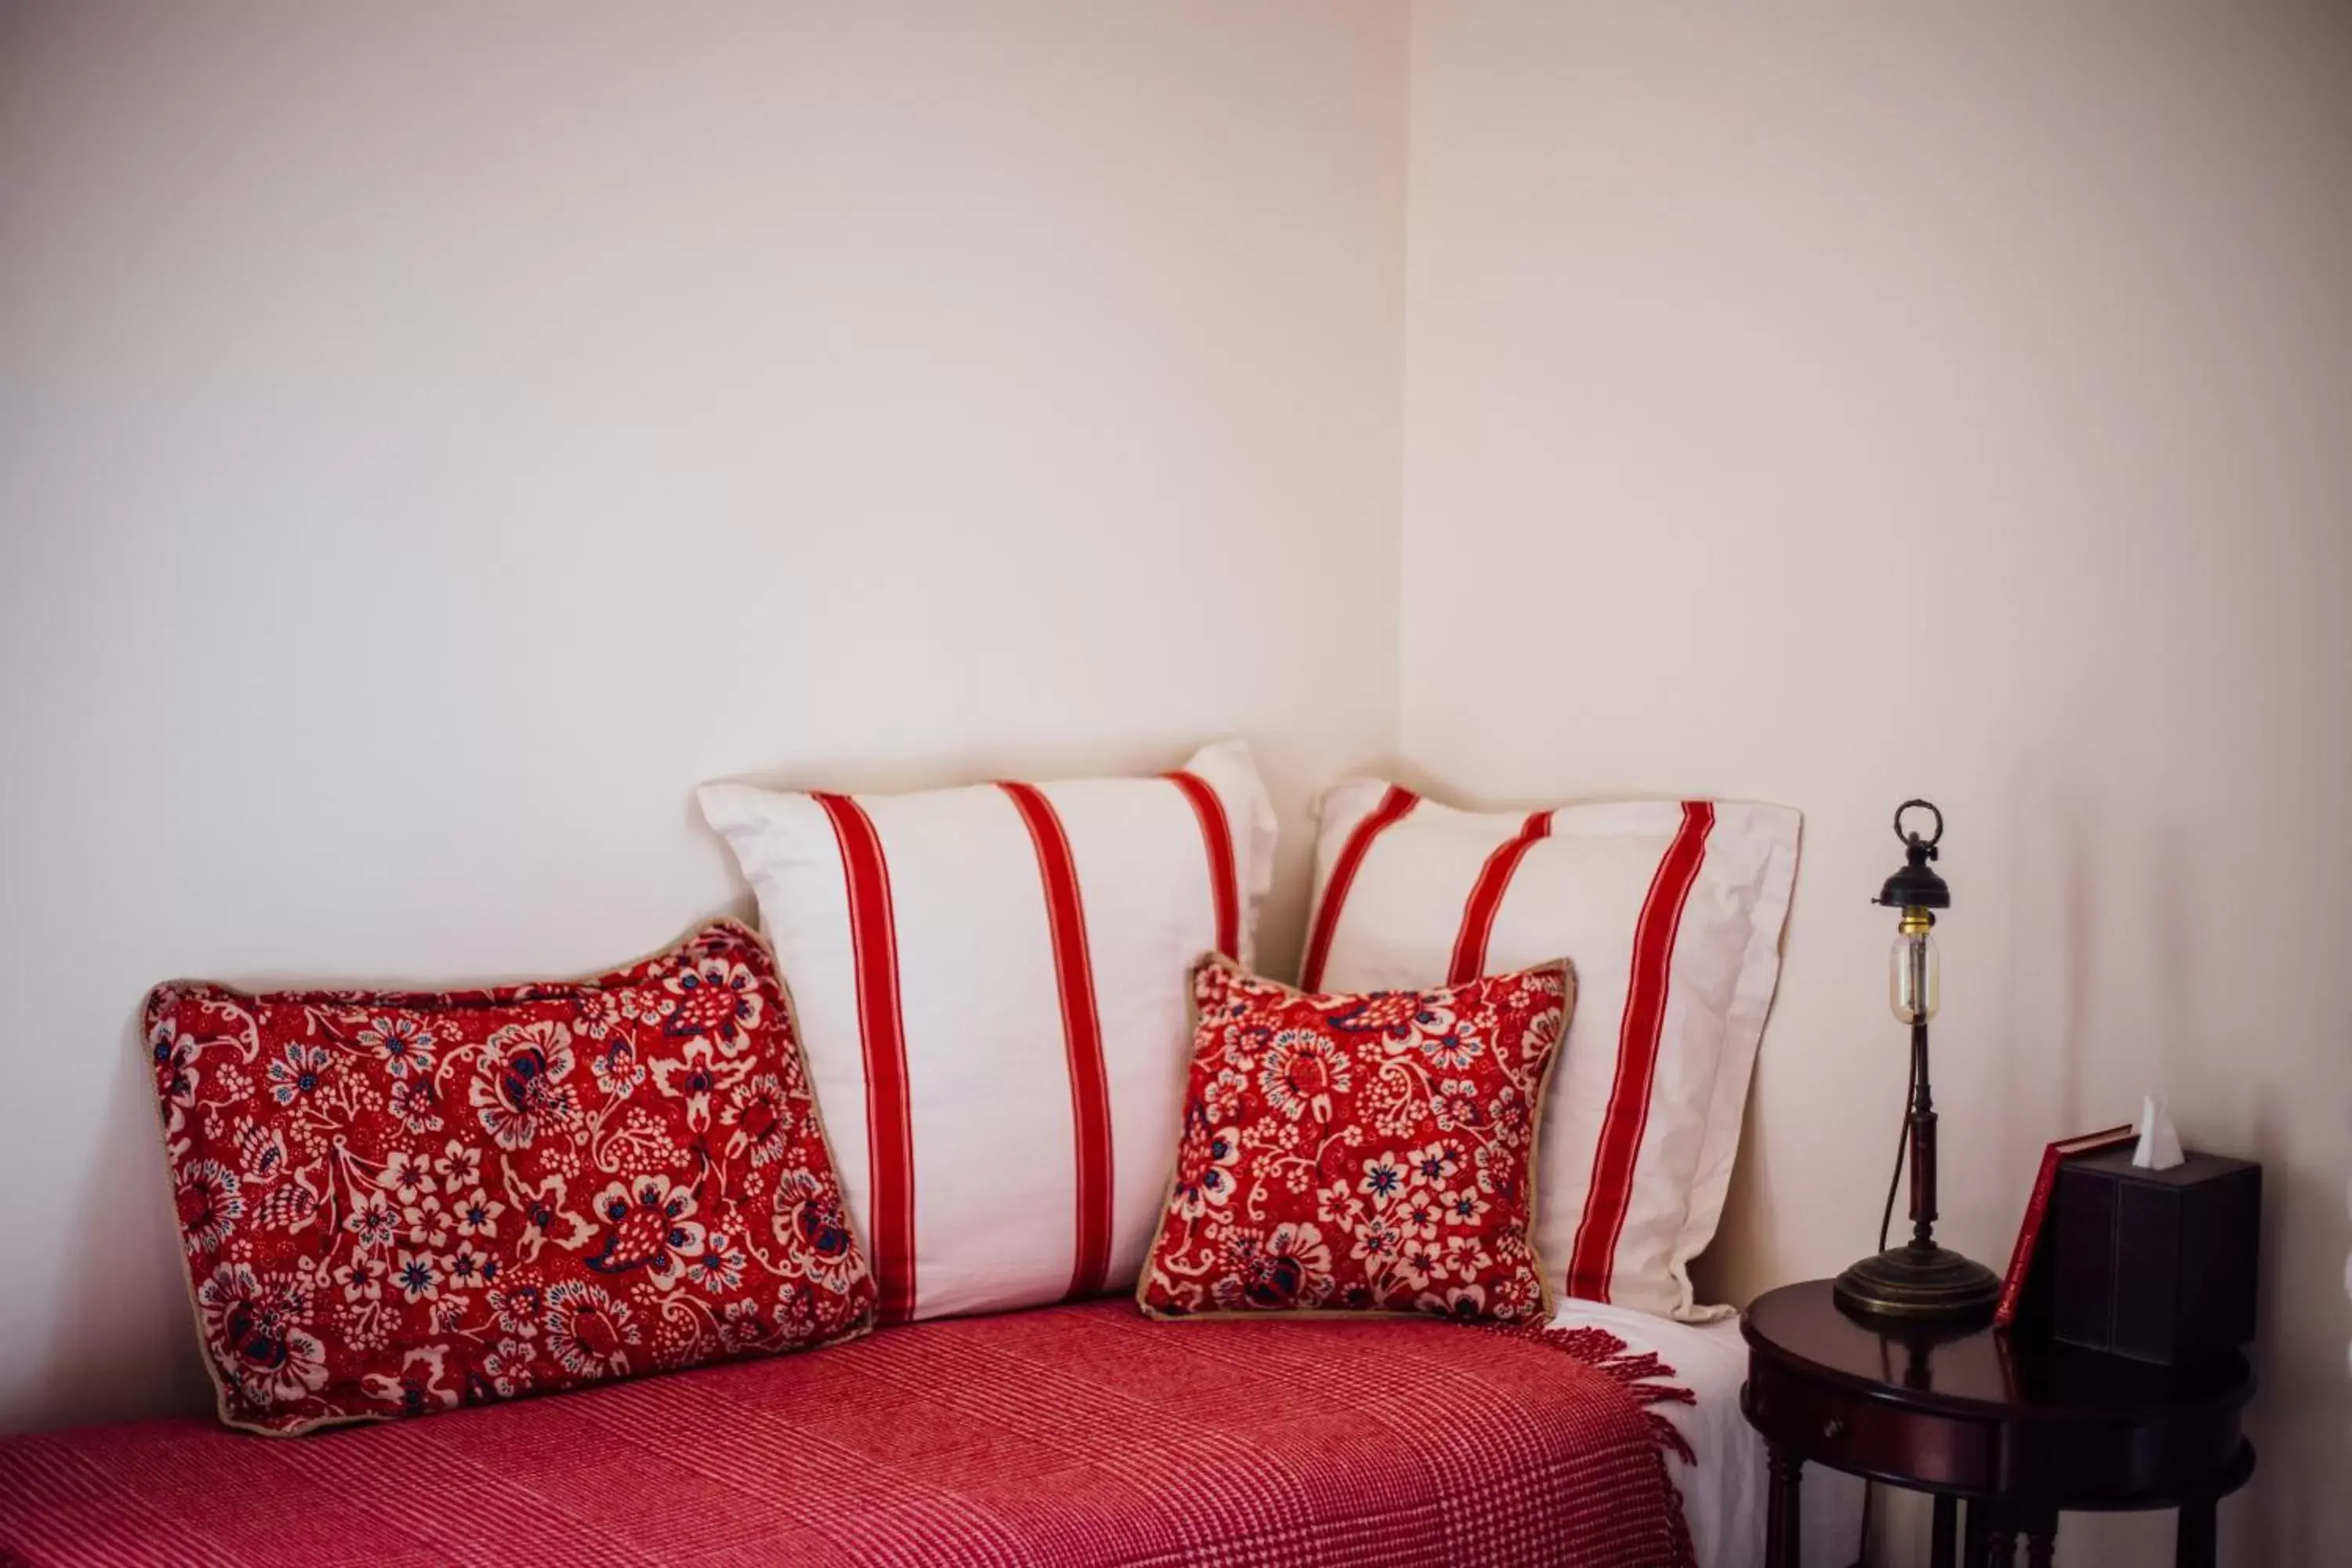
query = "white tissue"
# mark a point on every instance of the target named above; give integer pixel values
(2159, 1145)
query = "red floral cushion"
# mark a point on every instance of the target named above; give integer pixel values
(397, 1204)
(1360, 1154)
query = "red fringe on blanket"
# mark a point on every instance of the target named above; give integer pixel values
(1641, 1374)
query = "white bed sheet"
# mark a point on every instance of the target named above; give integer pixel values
(1723, 1494)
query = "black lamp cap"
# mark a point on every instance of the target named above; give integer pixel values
(1916, 886)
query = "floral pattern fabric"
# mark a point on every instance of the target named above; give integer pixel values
(398, 1203)
(1360, 1154)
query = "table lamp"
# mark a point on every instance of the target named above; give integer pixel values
(1919, 1282)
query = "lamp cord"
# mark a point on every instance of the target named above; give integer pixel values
(1902, 1147)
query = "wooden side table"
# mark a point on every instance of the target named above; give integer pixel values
(2018, 1431)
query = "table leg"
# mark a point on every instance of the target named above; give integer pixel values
(1943, 1546)
(2000, 1545)
(2196, 1542)
(2041, 1537)
(1783, 1537)
(1974, 1536)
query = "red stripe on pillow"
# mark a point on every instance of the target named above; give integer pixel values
(1487, 898)
(1590, 1261)
(1081, 1035)
(1393, 808)
(1217, 838)
(889, 1127)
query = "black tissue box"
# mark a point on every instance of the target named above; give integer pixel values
(2156, 1265)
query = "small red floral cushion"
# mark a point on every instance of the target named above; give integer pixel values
(1360, 1154)
(397, 1204)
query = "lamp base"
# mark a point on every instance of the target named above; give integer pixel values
(1924, 1284)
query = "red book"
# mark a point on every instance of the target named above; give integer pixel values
(2037, 1210)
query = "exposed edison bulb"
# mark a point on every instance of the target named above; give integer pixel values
(1915, 982)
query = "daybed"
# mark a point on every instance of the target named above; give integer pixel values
(421, 1227)
(1065, 1436)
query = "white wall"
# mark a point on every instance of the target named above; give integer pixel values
(1957, 400)
(433, 437)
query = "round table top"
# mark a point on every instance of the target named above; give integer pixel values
(1980, 1372)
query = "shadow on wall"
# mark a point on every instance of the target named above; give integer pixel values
(2295, 1421)
(108, 1355)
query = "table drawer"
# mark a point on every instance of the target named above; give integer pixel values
(1852, 1432)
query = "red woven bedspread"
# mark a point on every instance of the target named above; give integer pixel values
(1077, 1436)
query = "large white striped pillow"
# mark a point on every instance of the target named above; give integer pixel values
(1672, 913)
(991, 985)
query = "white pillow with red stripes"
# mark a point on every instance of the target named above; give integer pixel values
(1671, 912)
(990, 985)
